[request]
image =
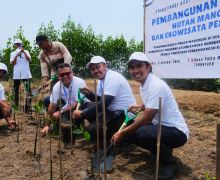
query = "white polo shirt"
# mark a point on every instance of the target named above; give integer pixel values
(154, 88)
(65, 92)
(21, 68)
(116, 85)
(2, 92)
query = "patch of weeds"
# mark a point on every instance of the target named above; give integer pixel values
(207, 176)
(81, 130)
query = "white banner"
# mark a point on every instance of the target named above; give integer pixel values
(183, 38)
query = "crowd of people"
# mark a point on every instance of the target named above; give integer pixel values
(113, 92)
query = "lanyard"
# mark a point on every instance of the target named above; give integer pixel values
(65, 93)
(101, 86)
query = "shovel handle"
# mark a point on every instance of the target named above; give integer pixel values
(122, 126)
(45, 85)
(78, 106)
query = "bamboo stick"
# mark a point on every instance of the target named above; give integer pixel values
(158, 140)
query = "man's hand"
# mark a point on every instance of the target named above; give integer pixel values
(56, 115)
(76, 114)
(117, 137)
(45, 82)
(135, 108)
(85, 90)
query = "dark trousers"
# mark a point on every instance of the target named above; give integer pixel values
(114, 120)
(1, 115)
(27, 89)
(146, 137)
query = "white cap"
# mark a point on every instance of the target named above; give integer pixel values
(138, 56)
(3, 67)
(95, 60)
(17, 41)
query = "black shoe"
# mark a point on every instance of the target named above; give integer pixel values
(167, 170)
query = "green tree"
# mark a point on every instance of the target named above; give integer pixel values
(82, 44)
(50, 31)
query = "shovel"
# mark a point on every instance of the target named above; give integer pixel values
(129, 117)
(35, 92)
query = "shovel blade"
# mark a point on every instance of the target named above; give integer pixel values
(99, 166)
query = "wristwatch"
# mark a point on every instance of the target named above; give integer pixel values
(82, 114)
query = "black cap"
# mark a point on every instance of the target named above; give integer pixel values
(41, 37)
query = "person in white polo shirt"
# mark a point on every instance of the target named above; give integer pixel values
(5, 111)
(143, 131)
(118, 97)
(20, 59)
(65, 90)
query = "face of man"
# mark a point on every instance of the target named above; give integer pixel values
(44, 45)
(18, 45)
(65, 75)
(98, 71)
(139, 71)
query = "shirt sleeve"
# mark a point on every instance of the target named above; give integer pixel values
(66, 55)
(12, 56)
(110, 88)
(54, 97)
(152, 100)
(28, 54)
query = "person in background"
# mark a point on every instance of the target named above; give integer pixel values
(143, 131)
(20, 59)
(4, 107)
(51, 55)
(117, 94)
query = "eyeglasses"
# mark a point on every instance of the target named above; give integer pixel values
(64, 74)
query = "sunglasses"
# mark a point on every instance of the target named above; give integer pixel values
(64, 74)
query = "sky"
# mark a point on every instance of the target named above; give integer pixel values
(109, 18)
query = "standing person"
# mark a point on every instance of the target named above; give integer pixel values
(118, 97)
(69, 86)
(143, 131)
(4, 107)
(20, 59)
(52, 54)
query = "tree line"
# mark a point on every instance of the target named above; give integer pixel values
(83, 43)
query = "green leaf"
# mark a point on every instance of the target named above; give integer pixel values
(86, 136)
(15, 107)
(77, 131)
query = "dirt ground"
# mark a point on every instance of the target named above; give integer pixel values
(195, 159)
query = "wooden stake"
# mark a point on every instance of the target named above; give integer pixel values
(104, 132)
(97, 127)
(51, 165)
(158, 139)
(60, 134)
(35, 140)
(71, 122)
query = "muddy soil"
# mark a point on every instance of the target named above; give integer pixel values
(195, 159)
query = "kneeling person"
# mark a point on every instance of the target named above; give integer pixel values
(4, 107)
(117, 94)
(143, 131)
(65, 90)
